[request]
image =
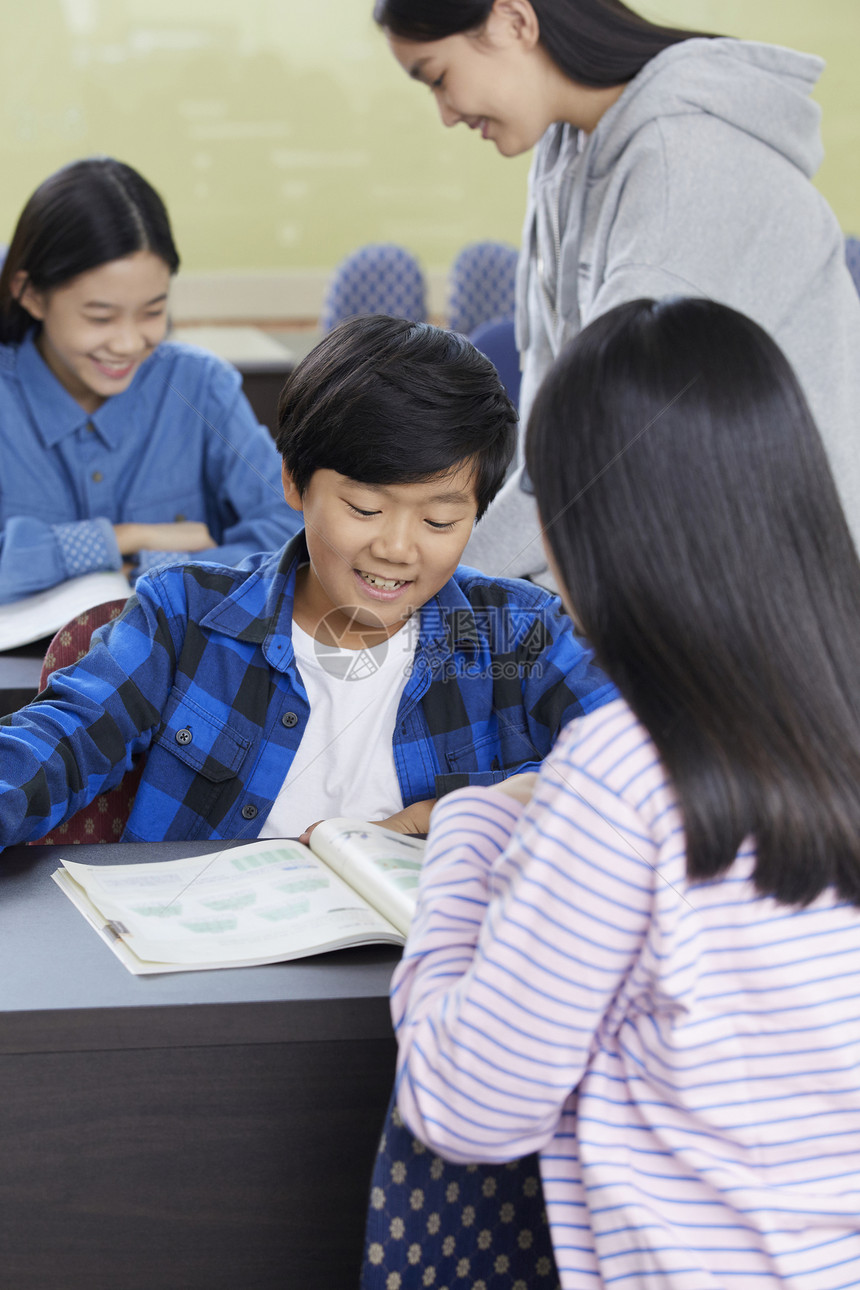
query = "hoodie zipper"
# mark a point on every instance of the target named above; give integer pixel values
(551, 295)
(543, 276)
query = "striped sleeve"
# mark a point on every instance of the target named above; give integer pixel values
(528, 925)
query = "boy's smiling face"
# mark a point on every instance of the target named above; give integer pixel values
(377, 552)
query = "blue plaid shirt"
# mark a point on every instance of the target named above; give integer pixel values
(199, 673)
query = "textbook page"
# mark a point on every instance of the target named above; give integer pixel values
(262, 903)
(380, 864)
(47, 611)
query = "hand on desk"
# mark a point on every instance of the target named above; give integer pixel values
(182, 535)
(521, 787)
(412, 819)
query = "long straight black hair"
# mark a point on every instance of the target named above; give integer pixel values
(84, 215)
(594, 42)
(691, 513)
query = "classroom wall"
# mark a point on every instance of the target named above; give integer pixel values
(283, 135)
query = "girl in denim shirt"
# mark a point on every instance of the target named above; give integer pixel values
(119, 449)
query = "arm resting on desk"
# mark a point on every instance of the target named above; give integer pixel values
(87, 727)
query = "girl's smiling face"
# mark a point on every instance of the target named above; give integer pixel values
(377, 552)
(98, 328)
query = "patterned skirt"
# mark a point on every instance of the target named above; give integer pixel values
(453, 1227)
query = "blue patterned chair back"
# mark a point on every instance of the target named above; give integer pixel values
(852, 258)
(496, 340)
(381, 278)
(481, 285)
(432, 1223)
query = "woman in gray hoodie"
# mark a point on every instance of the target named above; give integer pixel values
(666, 163)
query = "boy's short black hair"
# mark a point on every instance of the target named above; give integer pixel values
(386, 401)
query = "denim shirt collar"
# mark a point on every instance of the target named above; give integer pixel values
(54, 411)
(260, 611)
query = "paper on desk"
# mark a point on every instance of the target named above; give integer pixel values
(47, 611)
(262, 903)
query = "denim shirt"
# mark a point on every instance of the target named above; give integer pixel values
(199, 673)
(181, 443)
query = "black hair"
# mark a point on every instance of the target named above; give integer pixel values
(692, 516)
(386, 401)
(594, 42)
(84, 215)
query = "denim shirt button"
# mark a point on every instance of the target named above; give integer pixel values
(249, 812)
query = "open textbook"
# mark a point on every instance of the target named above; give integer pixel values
(261, 903)
(47, 611)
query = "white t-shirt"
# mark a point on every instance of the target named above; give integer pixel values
(345, 761)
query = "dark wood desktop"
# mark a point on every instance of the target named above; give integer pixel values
(193, 1131)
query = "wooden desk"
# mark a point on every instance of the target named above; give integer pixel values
(19, 675)
(195, 1131)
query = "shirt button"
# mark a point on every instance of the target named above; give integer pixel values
(184, 736)
(249, 812)
(179, 519)
(90, 428)
(98, 476)
(289, 719)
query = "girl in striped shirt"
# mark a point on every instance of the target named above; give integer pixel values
(644, 963)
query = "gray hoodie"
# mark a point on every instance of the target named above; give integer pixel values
(695, 182)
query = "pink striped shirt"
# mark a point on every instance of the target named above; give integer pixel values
(685, 1056)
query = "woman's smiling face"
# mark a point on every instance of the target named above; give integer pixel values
(495, 80)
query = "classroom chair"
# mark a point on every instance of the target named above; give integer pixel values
(852, 258)
(380, 278)
(105, 817)
(432, 1223)
(481, 285)
(496, 340)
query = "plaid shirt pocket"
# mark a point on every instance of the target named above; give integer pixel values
(208, 745)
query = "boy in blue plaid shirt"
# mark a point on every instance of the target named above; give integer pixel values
(359, 670)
